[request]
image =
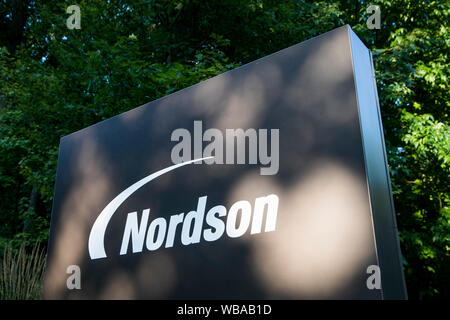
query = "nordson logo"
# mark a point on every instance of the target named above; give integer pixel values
(189, 228)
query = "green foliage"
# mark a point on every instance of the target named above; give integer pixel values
(412, 77)
(54, 81)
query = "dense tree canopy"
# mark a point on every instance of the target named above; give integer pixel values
(54, 81)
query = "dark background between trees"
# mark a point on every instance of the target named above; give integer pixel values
(54, 81)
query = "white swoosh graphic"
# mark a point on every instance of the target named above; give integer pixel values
(97, 235)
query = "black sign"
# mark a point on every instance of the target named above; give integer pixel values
(268, 181)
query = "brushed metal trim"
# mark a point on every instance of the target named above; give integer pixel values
(381, 202)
